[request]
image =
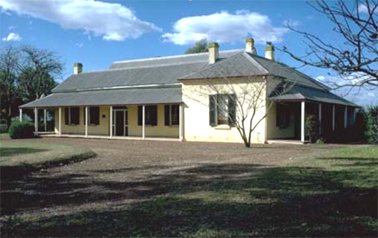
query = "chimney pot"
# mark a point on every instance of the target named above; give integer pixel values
(78, 68)
(269, 51)
(213, 52)
(250, 46)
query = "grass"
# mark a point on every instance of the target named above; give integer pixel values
(4, 136)
(22, 156)
(329, 195)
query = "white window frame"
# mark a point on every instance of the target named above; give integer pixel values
(171, 114)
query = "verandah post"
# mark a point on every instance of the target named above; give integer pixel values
(36, 121)
(181, 123)
(86, 121)
(60, 121)
(111, 121)
(143, 122)
(303, 121)
(20, 114)
(45, 119)
(320, 118)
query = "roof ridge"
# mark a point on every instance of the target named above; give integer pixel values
(135, 67)
(171, 57)
(251, 57)
(212, 65)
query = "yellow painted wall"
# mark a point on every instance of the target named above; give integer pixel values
(274, 132)
(151, 131)
(196, 111)
(103, 129)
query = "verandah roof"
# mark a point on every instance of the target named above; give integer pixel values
(109, 97)
(300, 93)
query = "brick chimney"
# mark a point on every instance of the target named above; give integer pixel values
(213, 52)
(250, 46)
(77, 68)
(269, 51)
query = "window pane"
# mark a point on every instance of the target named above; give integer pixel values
(150, 115)
(222, 109)
(175, 114)
(94, 115)
(67, 115)
(75, 115)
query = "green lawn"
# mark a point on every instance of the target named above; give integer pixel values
(32, 154)
(328, 195)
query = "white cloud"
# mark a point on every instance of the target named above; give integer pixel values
(12, 37)
(79, 45)
(361, 95)
(225, 27)
(11, 27)
(362, 8)
(112, 21)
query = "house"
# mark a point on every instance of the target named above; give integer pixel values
(189, 98)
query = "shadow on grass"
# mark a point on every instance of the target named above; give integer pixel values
(23, 170)
(207, 201)
(13, 151)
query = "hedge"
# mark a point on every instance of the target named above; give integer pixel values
(371, 119)
(19, 130)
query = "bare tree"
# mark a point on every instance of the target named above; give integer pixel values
(38, 68)
(247, 98)
(355, 57)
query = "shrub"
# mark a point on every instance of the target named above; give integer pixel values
(19, 130)
(371, 131)
(311, 127)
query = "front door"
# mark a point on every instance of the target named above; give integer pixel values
(120, 123)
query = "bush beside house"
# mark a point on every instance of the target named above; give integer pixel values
(19, 130)
(371, 120)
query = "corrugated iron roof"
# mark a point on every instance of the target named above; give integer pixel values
(110, 97)
(299, 93)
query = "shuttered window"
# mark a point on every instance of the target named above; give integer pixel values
(150, 115)
(171, 115)
(72, 115)
(94, 115)
(222, 109)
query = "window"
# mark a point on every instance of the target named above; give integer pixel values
(222, 109)
(71, 116)
(171, 115)
(282, 116)
(150, 115)
(94, 115)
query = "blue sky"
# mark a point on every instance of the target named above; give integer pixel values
(97, 33)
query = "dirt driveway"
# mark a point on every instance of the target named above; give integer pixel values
(122, 160)
(129, 172)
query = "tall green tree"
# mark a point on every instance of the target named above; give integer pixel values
(199, 47)
(9, 58)
(26, 73)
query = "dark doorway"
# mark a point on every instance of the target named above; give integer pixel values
(120, 123)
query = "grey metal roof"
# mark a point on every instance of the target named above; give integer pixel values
(170, 60)
(285, 71)
(246, 64)
(237, 65)
(299, 93)
(99, 87)
(110, 97)
(139, 72)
